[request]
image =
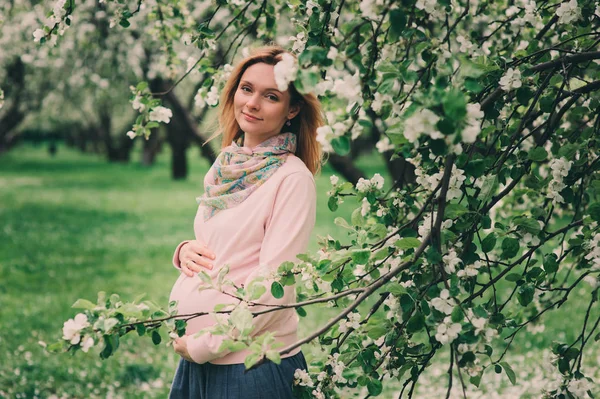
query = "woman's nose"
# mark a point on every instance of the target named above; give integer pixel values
(253, 102)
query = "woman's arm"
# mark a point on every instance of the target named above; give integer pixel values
(287, 233)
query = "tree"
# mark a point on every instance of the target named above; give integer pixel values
(494, 107)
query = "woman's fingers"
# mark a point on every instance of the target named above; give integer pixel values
(194, 257)
(201, 249)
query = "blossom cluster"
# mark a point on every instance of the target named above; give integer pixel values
(560, 169)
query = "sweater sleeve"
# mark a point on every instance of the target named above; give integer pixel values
(176, 262)
(287, 233)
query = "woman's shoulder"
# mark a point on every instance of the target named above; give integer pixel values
(294, 165)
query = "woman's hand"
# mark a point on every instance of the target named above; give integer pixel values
(180, 346)
(193, 256)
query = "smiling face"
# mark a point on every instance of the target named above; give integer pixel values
(260, 109)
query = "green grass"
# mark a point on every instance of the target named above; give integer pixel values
(74, 225)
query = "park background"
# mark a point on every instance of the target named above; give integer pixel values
(83, 208)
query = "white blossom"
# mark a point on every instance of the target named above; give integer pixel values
(137, 104)
(560, 169)
(212, 97)
(131, 134)
(323, 133)
(72, 327)
(332, 53)
(299, 42)
(447, 331)
(451, 260)
(349, 88)
(285, 71)
(470, 133)
(421, 122)
(384, 145)
(511, 80)
(302, 378)
(568, 12)
(337, 367)
(365, 207)
(352, 321)
(377, 181)
(593, 246)
(465, 45)
(444, 302)
(333, 179)
(87, 343)
(1, 98)
(161, 114)
(38, 34)
(470, 270)
(579, 387)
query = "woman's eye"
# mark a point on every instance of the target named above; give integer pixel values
(245, 88)
(272, 97)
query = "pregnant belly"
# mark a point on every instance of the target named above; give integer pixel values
(191, 300)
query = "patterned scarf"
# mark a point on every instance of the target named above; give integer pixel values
(239, 171)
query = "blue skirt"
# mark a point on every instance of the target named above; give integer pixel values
(229, 381)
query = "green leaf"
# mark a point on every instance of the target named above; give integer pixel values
(141, 329)
(416, 323)
(374, 387)
(332, 204)
(357, 218)
(301, 312)
(513, 277)
(509, 372)
(476, 379)
(407, 243)
(525, 294)
(488, 243)
(251, 360)
(156, 337)
(341, 145)
(594, 210)
(550, 263)
(537, 154)
(83, 304)
(455, 210)
(397, 24)
(568, 150)
(378, 331)
(528, 224)
(455, 104)
(457, 315)
(241, 318)
(274, 356)
(340, 221)
(277, 290)
(361, 256)
(232, 346)
(510, 247)
(205, 277)
(395, 289)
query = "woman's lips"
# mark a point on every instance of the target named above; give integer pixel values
(249, 117)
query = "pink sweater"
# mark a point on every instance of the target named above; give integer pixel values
(270, 227)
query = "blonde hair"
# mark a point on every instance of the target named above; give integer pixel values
(304, 125)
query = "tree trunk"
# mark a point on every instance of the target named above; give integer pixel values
(152, 147)
(344, 165)
(181, 130)
(13, 115)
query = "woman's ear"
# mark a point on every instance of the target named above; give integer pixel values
(294, 110)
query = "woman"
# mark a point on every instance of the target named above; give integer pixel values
(258, 209)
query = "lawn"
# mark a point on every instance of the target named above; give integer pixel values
(74, 225)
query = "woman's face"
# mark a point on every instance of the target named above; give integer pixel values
(260, 109)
